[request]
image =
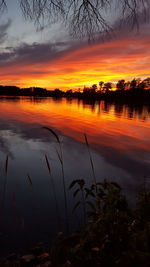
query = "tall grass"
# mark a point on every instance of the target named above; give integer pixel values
(60, 157)
(80, 183)
(29, 179)
(5, 182)
(53, 189)
(91, 161)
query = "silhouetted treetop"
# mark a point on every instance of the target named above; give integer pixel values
(84, 17)
(121, 85)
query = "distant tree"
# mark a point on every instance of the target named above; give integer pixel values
(69, 91)
(133, 84)
(39, 91)
(86, 89)
(121, 85)
(57, 92)
(141, 85)
(10, 90)
(101, 85)
(127, 85)
(147, 82)
(107, 86)
(94, 88)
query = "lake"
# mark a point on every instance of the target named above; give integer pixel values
(119, 140)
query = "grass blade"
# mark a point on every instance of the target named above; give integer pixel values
(5, 182)
(86, 140)
(48, 165)
(90, 156)
(53, 190)
(76, 206)
(53, 133)
(29, 179)
(6, 164)
(59, 157)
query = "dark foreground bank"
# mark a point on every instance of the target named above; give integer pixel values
(114, 233)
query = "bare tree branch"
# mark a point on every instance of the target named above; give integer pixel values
(84, 17)
(3, 5)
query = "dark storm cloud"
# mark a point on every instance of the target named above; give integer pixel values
(3, 31)
(33, 54)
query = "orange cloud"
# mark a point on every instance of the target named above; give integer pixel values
(44, 65)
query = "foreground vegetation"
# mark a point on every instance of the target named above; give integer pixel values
(114, 233)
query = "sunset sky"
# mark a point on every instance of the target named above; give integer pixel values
(52, 59)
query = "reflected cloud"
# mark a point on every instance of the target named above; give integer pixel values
(119, 133)
(119, 145)
(4, 146)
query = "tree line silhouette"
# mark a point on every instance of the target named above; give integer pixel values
(133, 91)
(121, 85)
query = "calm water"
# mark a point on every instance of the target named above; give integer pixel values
(119, 136)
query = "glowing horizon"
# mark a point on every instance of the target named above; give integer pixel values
(78, 66)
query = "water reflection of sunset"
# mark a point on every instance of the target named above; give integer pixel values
(119, 143)
(105, 124)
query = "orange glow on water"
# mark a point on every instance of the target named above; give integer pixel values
(105, 125)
